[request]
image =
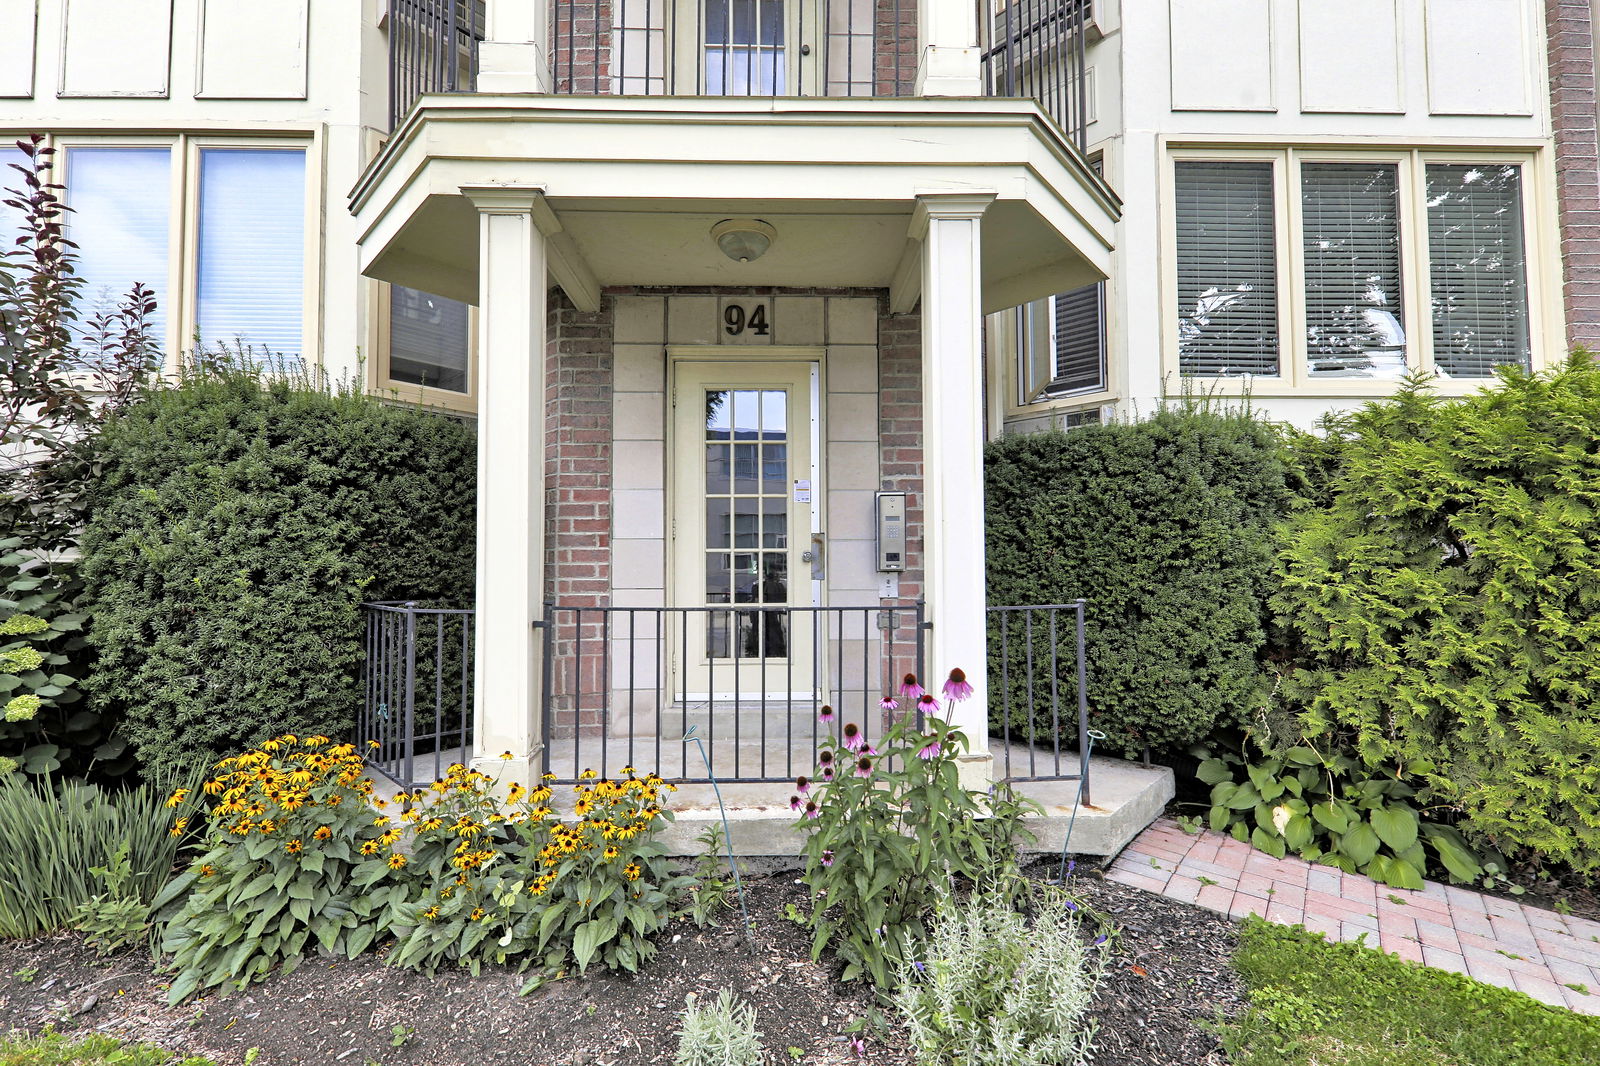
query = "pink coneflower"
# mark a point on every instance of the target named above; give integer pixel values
(864, 768)
(826, 714)
(794, 803)
(869, 750)
(909, 687)
(888, 703)
(931, 750)
(927, 705)
(957, 687)
(852, 737)
(812, 811)
(827, 858)
(827, 773)
(803, 784)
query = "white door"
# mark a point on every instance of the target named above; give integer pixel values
(742, 519)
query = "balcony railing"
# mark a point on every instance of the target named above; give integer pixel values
(433, 48)
(1040, 49)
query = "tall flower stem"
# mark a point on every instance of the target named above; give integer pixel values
(1061, 877)
(692, 733)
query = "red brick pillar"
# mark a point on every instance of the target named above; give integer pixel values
(1570, 37)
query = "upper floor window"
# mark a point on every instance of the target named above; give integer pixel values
(1398, 261)
(216, 231)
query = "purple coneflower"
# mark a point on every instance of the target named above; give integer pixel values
(927, 705)
(826, 715)
(957, 687)
(803, 784)
(859, 1046)
(827, 773)
(888, 703)
(812, 811)
(827, 858)
(869, 750)
(864, 768)
(909, 687)
(852, 737)
(826, 757)
(794, 803)
(931, 750)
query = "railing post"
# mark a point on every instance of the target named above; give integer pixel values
(547, 658)
(409, 728)
(1083, 700)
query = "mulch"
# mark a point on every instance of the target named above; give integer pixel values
(1168, 980)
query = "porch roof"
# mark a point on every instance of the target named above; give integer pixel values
(633, 186)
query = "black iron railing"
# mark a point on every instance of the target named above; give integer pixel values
(433, 48)
(639, 685)
(418, 690)
(734, 47)
(1040, 49)
(1039, 693)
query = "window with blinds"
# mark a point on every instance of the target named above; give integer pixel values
(1477, 268)
(121, 199)
(428, 340)
(1080, 340)
(1227, 268)
(251, 250)
(1350, 235)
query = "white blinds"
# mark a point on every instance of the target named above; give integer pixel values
(252, 249)
(1351, 239)
(120, 199)
(1227, 268)
(1477, 268)
(1080, 340)
(427, 340)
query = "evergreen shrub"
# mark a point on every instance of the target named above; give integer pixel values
(236, 525)
(1446, 604)
(1165, 527)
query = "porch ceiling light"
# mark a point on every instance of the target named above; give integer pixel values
(743, 239)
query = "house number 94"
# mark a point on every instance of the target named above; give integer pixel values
(737, 319)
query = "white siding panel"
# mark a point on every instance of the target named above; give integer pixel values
(1350, 56)
(18, 19)
(250, 50)
(1477, 57)
(1222, 55)
(116, 48)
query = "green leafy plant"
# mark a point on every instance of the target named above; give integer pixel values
(53, 837)
(292, 822)
(1165, 526)
(493, 882)
(232, 507)
(1329, 809)
(116, 918)
(709, 890)
(1440, 605)
(993, 987)
(886, 826)
(51, 1048)
(721, 1033)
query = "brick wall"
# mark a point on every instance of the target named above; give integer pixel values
(582, 45)
(1570, 37)
(578, 385)
(900, 434)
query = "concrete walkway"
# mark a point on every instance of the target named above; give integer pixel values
(1551, 957)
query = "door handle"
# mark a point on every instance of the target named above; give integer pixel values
(817, 556)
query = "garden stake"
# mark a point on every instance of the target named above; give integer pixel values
(727, 835)
(1093, 735)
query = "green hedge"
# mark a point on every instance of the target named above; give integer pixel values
(1446, 602)
(1164, 526)
(235, 527)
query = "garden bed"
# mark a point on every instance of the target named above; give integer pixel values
(1169, 977)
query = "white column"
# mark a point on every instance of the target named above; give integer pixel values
(952, 473)
(514, 56)
(947, 38)
(512, 284)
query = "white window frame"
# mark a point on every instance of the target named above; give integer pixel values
(183, 236)
(1294, 378)
(379, 380)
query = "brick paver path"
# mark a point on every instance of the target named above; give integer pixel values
(1552, 957)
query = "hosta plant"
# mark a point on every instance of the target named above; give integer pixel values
(492, 881)
(888, 824)
(1332, 810)
(293, 821)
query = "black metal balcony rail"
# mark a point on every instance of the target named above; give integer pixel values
(734, 47)
(417, 684)
(433, 48)
(1039, 693)
(1040, 49)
